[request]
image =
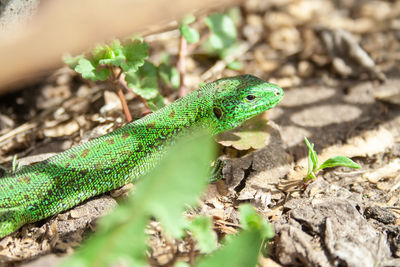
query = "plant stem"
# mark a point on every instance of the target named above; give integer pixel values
(203, 38)
(141, 99)
(182, 64)
(116, 83)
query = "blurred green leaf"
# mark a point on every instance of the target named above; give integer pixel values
(71, 61)
(164, 58)
(156, 103)
(235, 14)
(229, 50)
(339, 161)
(169, 75)
(223, 33)
(242, 249)
(121, 236)
(189, 19)
(202, 230)
(191, 35)
(135, 52)
(143, 81)
(250, 219)
(235, 65)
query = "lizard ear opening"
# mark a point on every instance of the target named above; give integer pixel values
(217, 112)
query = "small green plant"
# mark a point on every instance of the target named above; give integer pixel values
(129, 60)
(329, 163)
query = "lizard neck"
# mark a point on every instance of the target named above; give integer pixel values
(190, 111)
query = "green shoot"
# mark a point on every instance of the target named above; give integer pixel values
(15, 164)
(129, 60)
(329, 163)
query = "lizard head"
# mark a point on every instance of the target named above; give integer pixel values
(239, 98)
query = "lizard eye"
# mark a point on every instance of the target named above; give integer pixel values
(250, 97)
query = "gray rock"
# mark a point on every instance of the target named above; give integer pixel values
(14, 12)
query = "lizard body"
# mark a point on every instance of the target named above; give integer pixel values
(110, 161)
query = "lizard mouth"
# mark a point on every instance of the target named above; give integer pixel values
(258, 109)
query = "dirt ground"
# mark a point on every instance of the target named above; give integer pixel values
(338, 62)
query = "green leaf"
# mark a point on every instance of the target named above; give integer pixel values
(169, 75)
(156, 103)
(164, 58)
(201, 229)
(229, 50)
(242, 249)
(189, 19)
(101, 74)
(312, 154)
(88, 69)
(251, 220)
(187, 162)
(102, 52)
(235, 14)
(339, 161)
(71, 61)
(223, 33)
(121, 235)
(190, 34)
(174, 78)
(144, 81)
(235, 65)
(85, 67)
(109, 55)
(136, 52)
(253, 133)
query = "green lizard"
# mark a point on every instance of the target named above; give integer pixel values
(110, 161)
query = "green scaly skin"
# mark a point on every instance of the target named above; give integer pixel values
(110, 161)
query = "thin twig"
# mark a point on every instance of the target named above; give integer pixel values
(203, 38)
(182, 65)
(119, 74)
(141, 99)
(115, 81)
